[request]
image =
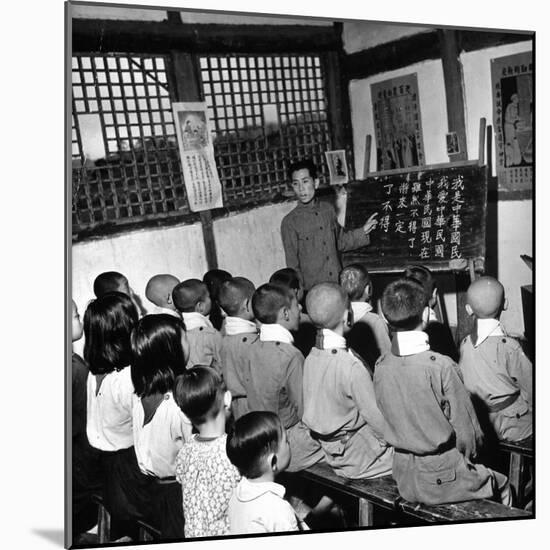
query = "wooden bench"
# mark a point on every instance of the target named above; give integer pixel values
(146, 532)
(382, 492)
(520, 453)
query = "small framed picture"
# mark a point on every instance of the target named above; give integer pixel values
(452, 143)
(337, 167)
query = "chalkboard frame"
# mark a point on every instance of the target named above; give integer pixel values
(474, 262)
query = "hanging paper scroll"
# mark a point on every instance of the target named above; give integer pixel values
(512, 81)
(397, 122)
(202, 183)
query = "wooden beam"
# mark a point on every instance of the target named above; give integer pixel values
(452, 73)
(98, 35)
(472, 40)
(394, 55)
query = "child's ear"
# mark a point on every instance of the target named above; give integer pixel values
(227, 399)
(286, 313)
(469, 309)
(368, 291)
(199, 307)
(273, 462)
(505, 305)
(316, 183)
(425, 316)
(169, 298)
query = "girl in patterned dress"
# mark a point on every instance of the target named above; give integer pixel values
(202, 467)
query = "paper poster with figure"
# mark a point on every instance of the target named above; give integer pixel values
(398, 124)
(202, 183)
(512, 81)
(337, 167)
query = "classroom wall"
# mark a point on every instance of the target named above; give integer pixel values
(513, 218)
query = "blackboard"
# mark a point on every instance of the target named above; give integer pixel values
(426, 216)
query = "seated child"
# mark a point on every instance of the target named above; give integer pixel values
(159, 292)
(369, 335)
(496, 372)
(239, 332)
(429, 417)
(85, 472)
(108, 322)
(113, 281)
(275, 371)
(259, 448)
(304, 336)
(312, 237)
(202, 467)
(339, 404)
(192, 300)
(159, 354)
(213, 279)
(439, 334)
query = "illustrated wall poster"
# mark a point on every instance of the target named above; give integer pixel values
(337, 167)
(397, 121)
(512, 82)
(200, 175)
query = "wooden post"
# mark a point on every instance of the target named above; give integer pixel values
(452, 72)
(366, 513)
(366, 162)
(186, 79)
(481, 155)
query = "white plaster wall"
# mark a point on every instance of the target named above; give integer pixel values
(476, 67)
(433, 109)
(515, 237)
(360, 35)
(139, 255)
(250, 245)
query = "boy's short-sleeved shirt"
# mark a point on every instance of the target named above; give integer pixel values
(204, 341)
(313, 240)
(207, 478)
(260, 508)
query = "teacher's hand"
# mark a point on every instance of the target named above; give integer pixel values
(370, 224)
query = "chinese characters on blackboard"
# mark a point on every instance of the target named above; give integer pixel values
(425, 214)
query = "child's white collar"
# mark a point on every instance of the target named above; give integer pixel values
(410, 342)
(486, 328)
(360, 309)
(194, 319)
(236, 325)
(331, 340)
(273, 332)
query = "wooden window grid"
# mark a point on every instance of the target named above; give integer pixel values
(141, 176)
(252, 156)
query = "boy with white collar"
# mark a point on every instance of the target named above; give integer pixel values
(192, 300)
(259, 448)
(275, 371)
(429, 417)
(369, 335)
(496, 372)
(159, 292)
(339, 404)
(239, 332)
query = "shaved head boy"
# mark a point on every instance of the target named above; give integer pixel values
(159, 290)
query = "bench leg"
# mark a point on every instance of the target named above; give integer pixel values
(514, 475)
(366, 513)
(103, 524)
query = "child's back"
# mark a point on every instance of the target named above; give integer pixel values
(239, 333)
(429, 417)
(192, 300)
(496, 372)
(339, 402)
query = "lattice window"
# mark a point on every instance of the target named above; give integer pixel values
(140, 176)
(267, 110)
